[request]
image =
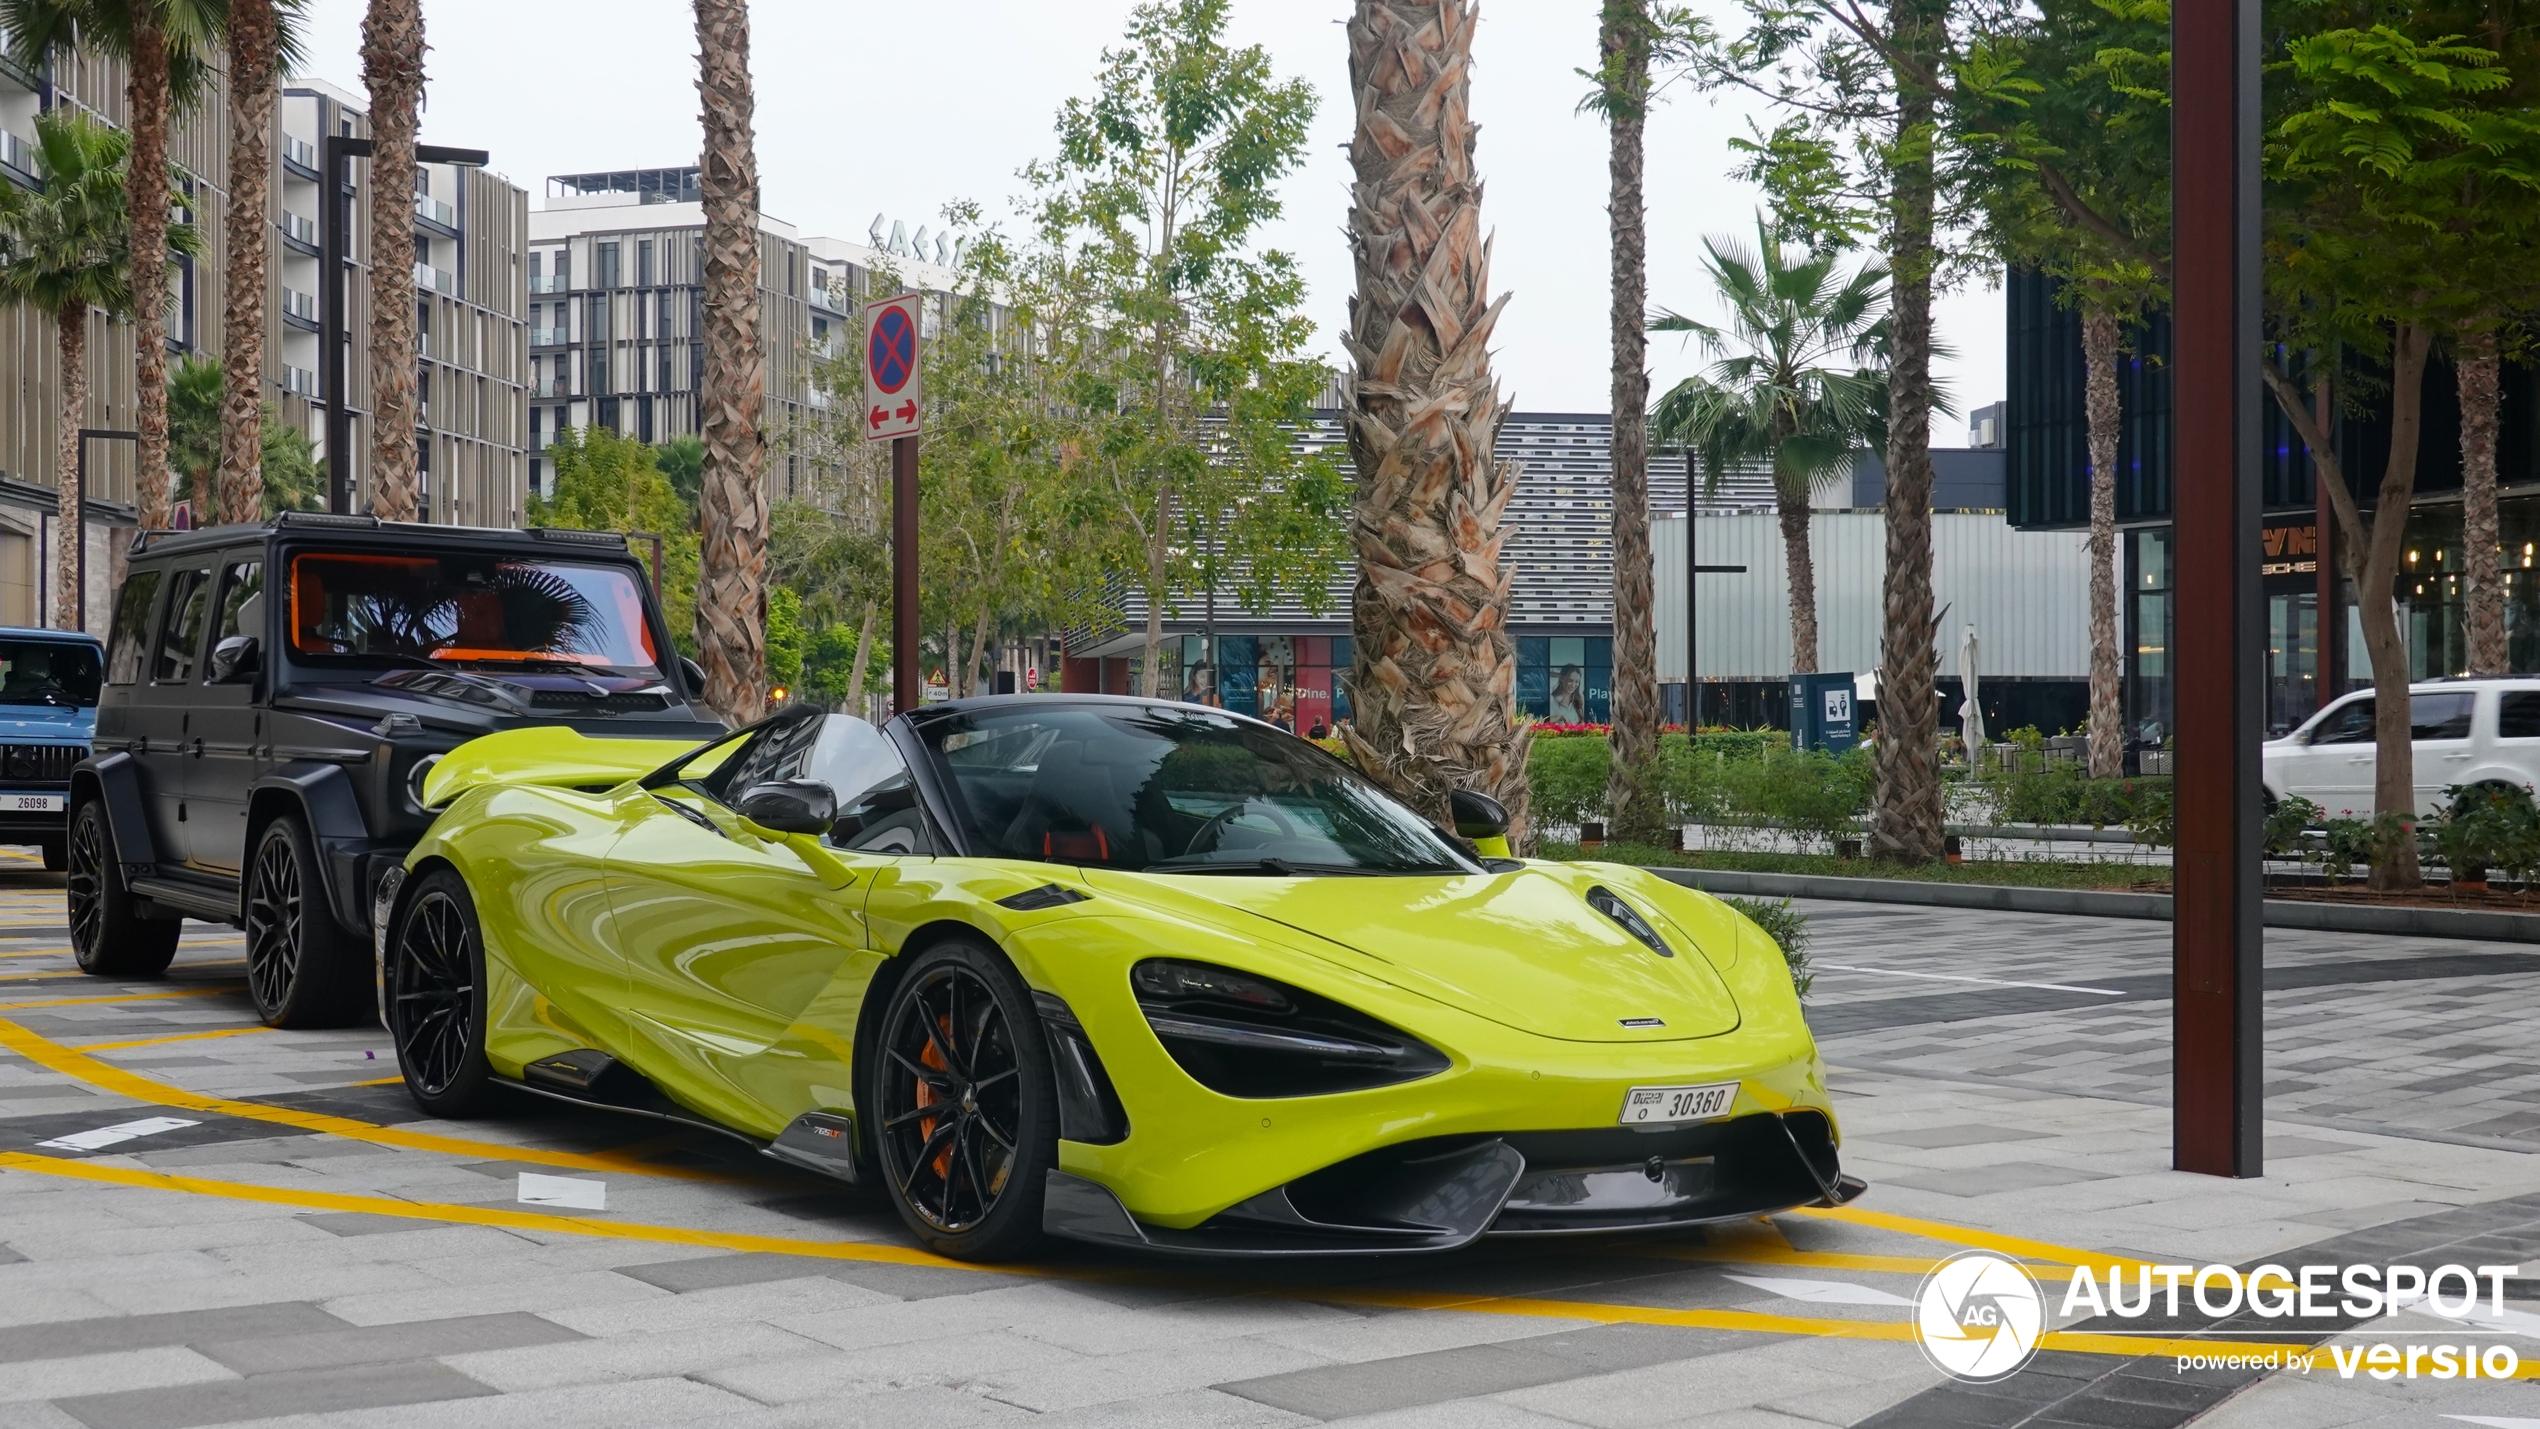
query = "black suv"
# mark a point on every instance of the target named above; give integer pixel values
(274, 696)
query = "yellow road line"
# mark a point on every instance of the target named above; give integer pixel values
(120, 997)
(176, 1037)
(105, 1076)
(1807, 1259)
(387, 1082)
(1947, 1234)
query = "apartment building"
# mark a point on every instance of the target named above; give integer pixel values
(470, 226)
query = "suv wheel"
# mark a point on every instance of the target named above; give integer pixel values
(105, 936)
(302, 969)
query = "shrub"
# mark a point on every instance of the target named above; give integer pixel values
(2488, 828)
(2064, 794)
(1788, 928)
(1565, 779)
(1813, 794)
(2288, 821)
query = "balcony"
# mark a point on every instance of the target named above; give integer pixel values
(433, 210)
(547, 283)
(300, 229)
(438, 280)
(296, 304)
(548, 337)
(300, 154)
(549, 387)
(18, 154)
(300, 380)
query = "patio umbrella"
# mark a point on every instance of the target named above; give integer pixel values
(1970, 714)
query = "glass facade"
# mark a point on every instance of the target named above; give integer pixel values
(1566, 679)
(2433, 612)
(2147, 682)
(1288, 680)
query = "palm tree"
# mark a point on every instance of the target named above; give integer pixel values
(66, 251)
(1432, 691)
(392, 69)
(732, 515)
(264, 39)
(1799, 383)
(165, 46)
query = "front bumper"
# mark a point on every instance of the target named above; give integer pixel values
(1444, 1192)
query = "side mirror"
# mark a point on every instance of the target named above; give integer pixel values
(233, 658)
(696, 677)
(791, 806)
(1477, 816)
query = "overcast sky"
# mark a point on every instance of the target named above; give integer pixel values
(897, 108)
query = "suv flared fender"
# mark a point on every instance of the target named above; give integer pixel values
(116, 779)
(322, 794)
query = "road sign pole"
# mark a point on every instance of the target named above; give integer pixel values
(908, 681)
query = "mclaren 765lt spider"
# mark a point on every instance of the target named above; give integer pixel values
(1138, 973)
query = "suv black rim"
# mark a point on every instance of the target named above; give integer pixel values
(951, 1099)
(87, 871)
(432, 993)
(273, 925)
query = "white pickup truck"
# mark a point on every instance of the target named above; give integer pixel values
(2467, 732)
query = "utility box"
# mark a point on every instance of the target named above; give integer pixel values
(1821, 712)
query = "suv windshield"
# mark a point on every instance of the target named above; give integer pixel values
(48, 672)
(469, 609)
(1168, 790)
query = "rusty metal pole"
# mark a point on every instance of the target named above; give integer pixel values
(908, 685)
(2216, 1090)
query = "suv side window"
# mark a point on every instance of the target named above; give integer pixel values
(2347, 724)
(244, 582)
(2442, 716)
(181, 633)
(129, 638)
(2518, 717)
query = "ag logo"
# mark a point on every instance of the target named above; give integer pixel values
(1979, 1317)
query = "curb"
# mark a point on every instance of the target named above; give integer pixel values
(2475, 924)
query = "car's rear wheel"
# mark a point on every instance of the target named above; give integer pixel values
(436, 996)
(106, 937)
(964, 1122)
(303, 969)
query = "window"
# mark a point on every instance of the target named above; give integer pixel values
(58, 673)
(470, 610)
(131, 628)
(661, 318)
(644, 263)
(2440, 716)
(181, 634)
(2349, 723)
(607, 265)
(2518, 715)
(242, 606)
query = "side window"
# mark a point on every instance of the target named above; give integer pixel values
(2441, 716)
(181, 633)
(877, 802)
(2518, 717)
(2347, 724)
(131, 634)
(775, 752)
(242, 606)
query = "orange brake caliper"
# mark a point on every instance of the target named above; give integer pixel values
(926, 1097)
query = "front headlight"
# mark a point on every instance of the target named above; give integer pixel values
(1242, 1035)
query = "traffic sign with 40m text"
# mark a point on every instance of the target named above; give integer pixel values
(894, 393)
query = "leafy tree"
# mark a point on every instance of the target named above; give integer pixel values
(683, 460)
(195, 391)
(2382, 152)
(1181, 338)
(606, 482)
(1799, 383)
(288, 476)
(785, 639)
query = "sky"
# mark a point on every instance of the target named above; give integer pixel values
(898, 109)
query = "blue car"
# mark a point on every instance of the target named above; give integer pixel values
(48, 711)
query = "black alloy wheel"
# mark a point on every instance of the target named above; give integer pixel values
(965, 1119)
(303, 970)
(107, 937)
(436, 1001)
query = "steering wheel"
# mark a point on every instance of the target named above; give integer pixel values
(1215, 828)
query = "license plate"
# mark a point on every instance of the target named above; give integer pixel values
(1648, 1106)
(40, 803)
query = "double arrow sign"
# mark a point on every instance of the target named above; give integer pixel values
(894, 392)
(907, 414)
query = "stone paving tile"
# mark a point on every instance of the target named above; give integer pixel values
(125, 1369)
(427, 1339)
(270, 1396)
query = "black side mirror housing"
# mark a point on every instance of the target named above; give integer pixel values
(695, 675)
(1477, 816)
(791, 806)
(235, 658)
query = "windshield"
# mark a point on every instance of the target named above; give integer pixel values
(470, 609)
(1170, 790)
(48, 672)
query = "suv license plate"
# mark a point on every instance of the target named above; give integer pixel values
(1648, 1106)
(42, 803)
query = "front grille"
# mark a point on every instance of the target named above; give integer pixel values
(633, 703)
(40, 763)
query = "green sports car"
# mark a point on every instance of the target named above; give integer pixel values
(1132, 972)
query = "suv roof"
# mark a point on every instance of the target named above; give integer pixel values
(327, 524)
(37, 632)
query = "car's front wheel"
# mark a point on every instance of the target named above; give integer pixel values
(106, 936)
(964, 1122)
(303, 969)
(436, 996)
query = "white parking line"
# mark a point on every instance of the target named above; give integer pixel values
(1988, 982)
(121, 1131)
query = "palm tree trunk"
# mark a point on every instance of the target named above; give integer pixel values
(146, 188)
(1907, 826)
(253, 66)
(2099, 402)
(732, 571)
(1434, 677)
(863, 653)
(1633, 800)
(2486, 586)
(1790, 503)
(70, 327)
(392, 68)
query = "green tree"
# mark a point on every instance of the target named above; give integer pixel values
(288, 477)
(683, 460)
(1799, 383)
(605, 482)
(196, 390)
(786, 640)
(2388, 166)
(1182, 337)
